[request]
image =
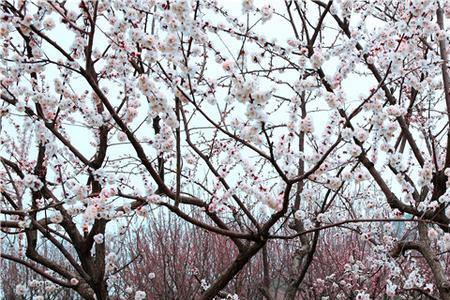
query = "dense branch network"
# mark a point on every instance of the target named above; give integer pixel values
(131, 128)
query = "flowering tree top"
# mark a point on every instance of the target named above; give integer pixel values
(257, 122)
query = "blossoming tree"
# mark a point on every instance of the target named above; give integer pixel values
(277, 128)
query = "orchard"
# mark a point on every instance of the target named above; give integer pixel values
(202, 149)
